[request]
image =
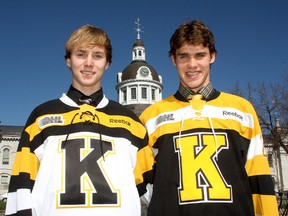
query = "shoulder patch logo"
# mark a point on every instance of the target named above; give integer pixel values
(50, 120)
(164, 118)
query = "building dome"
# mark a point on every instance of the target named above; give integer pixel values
(130, 72)
(138, 85)
(138, 43)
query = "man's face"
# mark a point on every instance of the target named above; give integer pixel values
(193, 65)
(87, 65)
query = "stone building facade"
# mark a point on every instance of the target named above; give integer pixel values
(9, 140)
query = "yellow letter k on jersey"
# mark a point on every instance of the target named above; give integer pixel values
(201, 179)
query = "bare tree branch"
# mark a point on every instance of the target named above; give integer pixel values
(271, 104)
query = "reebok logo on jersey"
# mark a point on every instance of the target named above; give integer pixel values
(50, 120)
(226, 113)
(120, 121)
(164, 118)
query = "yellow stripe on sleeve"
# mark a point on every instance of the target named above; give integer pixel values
(26, 162)
(145, 160)
(265, 205)
(261, 168)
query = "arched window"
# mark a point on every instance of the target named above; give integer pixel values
(6, 156)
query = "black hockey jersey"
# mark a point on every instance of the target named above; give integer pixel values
(210, 158)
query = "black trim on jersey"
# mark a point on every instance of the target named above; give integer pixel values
(259, 184)
(48, 108)
(26, 212)
(148, 178)
(115, 108)
(24, 136)
(141, 188)
(17, 182)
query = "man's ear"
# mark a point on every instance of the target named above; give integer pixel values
(213, 58)
(173, 60)
(107, 66)
(68, 62)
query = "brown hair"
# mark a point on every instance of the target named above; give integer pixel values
(192, 33)
(89, 35)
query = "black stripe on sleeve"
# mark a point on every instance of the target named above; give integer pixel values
(21, 181)
(261, 184)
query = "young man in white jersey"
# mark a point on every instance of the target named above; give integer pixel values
(79, 154)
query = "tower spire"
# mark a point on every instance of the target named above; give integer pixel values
(138, 29)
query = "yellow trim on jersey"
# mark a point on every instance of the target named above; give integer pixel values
(260, 169)
(30, 166)
(265, 203)
(145, 160)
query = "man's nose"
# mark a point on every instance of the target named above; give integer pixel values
(89, 61)
(192, 62)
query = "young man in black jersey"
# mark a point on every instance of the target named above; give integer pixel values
(208, 144)
(79, 154)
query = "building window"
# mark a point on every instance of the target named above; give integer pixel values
(153, 94)
(135, 53)
(144, 93)
(133, 93)
(124, 95)
(6, 155)
(4, 182)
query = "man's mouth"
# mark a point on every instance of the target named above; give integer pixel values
(88, 72)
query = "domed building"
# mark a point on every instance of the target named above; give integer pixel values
(138, 85)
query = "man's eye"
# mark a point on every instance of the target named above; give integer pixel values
(200, 55)
(80, 55)
(183, 56)
(98, 56)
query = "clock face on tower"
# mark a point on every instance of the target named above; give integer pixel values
(144, 71)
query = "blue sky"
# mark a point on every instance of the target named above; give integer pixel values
(251, 40)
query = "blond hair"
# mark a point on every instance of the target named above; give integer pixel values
(86, 36)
